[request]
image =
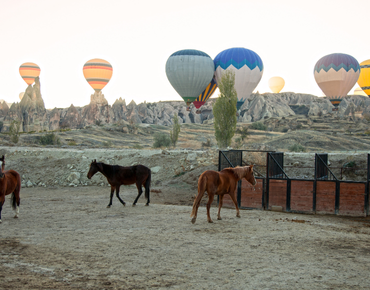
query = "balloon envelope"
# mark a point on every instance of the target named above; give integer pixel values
(98, 73)
(336, 74)
(29, 71)
(206, 94)
(359, 92)
(364, 79)
(189, 71)
(276, 84)
(247, 66)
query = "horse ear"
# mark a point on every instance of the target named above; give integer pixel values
(94, 161)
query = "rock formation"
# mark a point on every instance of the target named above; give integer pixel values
(33, 116)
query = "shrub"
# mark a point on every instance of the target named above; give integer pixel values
(49, 139)
(297, 148)
(207, 144)
(161, 140)
(258, 126)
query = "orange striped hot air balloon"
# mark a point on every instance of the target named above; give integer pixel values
(29, 71)
(97, 72)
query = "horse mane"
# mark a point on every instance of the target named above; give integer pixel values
(240, 172)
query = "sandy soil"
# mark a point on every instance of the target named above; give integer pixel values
(66, 238)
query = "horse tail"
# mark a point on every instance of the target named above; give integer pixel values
(202, 185)
(147, 184)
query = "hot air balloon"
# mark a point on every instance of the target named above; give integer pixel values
(364, 79)
(189, 71)
(247, 66)
(29, 71)
(206, 94)
(276, 84)
(97, 72)
(336, 74)
(359, 92)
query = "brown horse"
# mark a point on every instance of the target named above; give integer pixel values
(118, 175)
(10, 183)
(221, 183)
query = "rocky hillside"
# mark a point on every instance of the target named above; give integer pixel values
(33, 116)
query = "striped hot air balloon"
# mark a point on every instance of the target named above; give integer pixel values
(189, 71)
(336, 74)
(98, 73)
(29, 71)
(364, 79)
(207, 93)
(247, 66)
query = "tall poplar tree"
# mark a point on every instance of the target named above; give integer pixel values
(224, 110)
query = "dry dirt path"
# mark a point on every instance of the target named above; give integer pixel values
(67, 239)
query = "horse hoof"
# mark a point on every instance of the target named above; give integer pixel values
(238, 215)
(147, 204)
(0, 221)
(193, 220)
(133, 204)
(15, 216)
(108, 206)
(210, 221)
(219, 218)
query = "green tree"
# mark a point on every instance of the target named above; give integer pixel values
(174, 134)
(224, 110)
(14, 131)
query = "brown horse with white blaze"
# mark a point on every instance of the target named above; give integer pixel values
(221, 183)
(10, 183)
(120, 175)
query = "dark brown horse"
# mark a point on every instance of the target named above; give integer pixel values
(220, 183)
(118, 175)
(10, 183)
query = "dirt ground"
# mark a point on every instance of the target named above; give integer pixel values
(66, 238)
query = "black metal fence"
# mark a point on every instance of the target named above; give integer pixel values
(275, 171)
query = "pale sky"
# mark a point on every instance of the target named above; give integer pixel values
(137, 37)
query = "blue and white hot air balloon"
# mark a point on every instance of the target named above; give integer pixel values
(247, 66)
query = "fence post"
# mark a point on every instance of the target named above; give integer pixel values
(337, 196)
(266, 194)
(288, 194)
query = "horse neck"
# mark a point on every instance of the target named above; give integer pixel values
(105, 169)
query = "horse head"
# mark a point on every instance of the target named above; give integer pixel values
(93, 169)
(249, 175)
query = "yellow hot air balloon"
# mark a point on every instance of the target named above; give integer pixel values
(276, 84)
(364, 78)
(98, 73)
(29, 71)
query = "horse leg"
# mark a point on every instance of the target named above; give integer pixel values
(16, 202)
(232, 195)
(219, 206)
(117, 194)
(140, 191)
(201, 190)
(111, 196)
(210, 200)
